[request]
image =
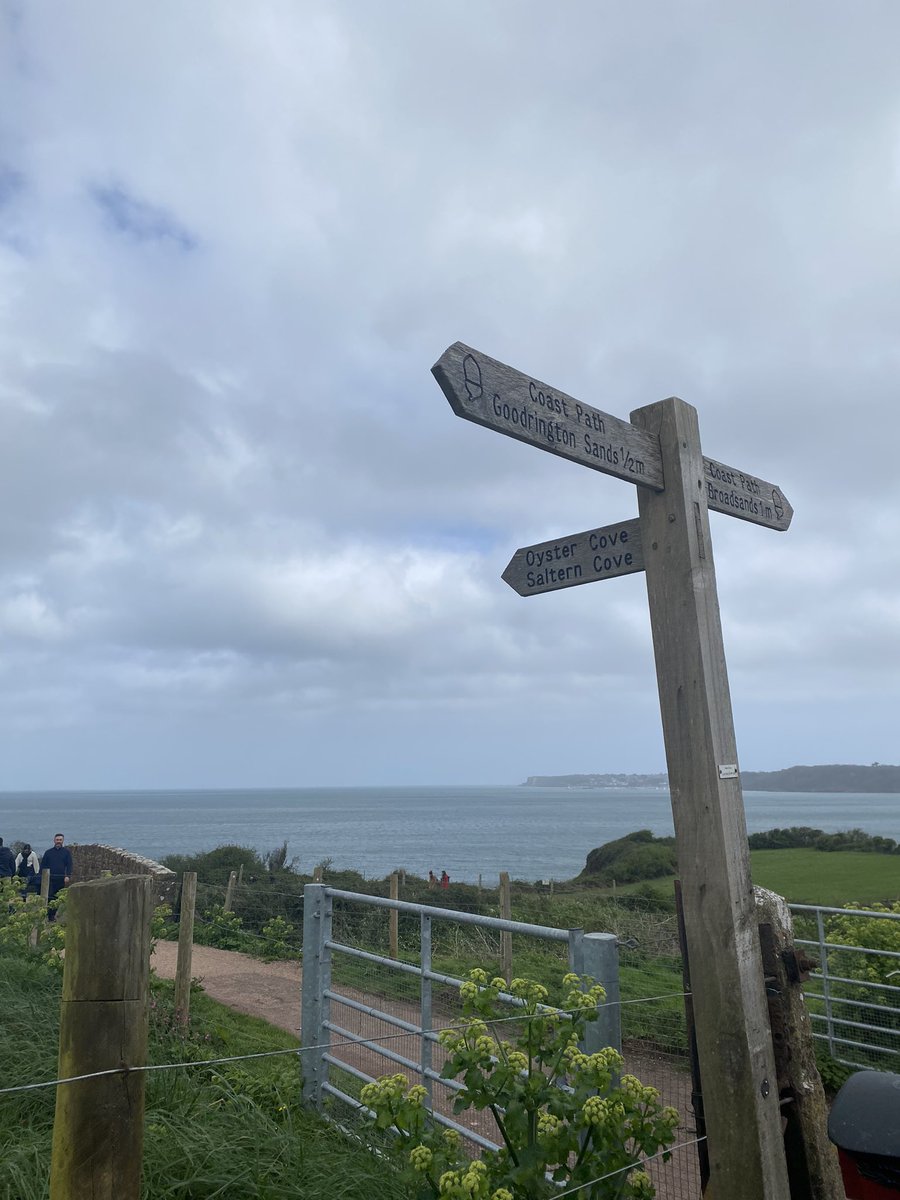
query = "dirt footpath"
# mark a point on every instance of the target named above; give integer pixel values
(259, 989)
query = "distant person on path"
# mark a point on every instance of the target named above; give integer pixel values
(58, 861)
(28, 869)
(432, 879)
(7, 862)
(445, 879)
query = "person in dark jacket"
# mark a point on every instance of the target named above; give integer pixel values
(28, 869)
(7, 862)
(58, 861)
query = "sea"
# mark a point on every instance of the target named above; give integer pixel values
(534, 833)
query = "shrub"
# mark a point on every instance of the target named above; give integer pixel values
(19, 920)
(599, 1124)
(637, 856)
(219, 927)
(278, 943)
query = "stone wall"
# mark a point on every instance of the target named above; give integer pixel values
(92, 861)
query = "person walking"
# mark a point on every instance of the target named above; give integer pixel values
(7, 862)
(58, 861)
(28, 869)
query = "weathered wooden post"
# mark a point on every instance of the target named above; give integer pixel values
(737, 1065)
(39, 916)
(660, 452)
(99, 1125)
(229, 891)
(505, 936)
(393, 918)
(318, 873)
(185, 948)
(812, 1161)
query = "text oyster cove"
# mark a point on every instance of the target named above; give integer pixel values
(609, 555)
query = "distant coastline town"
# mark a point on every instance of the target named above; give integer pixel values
(836, 777)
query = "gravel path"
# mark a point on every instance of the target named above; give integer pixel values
(259, 989)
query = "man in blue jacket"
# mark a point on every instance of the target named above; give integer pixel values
(7, 861)
(58, 861)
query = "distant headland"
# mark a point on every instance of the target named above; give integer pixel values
(837, 777)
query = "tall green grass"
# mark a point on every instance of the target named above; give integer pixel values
(232, 1130)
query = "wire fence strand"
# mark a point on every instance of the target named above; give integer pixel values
(330, 1045)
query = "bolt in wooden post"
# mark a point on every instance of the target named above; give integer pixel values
(99, 1125)
(737, 1065)
(505, 938)
(185, 948)
(394, 917)
(229, 891)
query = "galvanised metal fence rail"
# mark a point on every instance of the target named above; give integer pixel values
(854, 1006)
(593, 954)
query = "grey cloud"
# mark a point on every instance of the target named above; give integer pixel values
(231, 494)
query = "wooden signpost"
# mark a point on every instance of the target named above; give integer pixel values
(659, 450)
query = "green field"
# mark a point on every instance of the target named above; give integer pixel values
(812, 877)
(832, 880)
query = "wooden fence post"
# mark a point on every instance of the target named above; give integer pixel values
(229, 891)
(394, 917)
(505, 938)
(98, 1130)
(737, 1064)
(185, 948)
(40, 903)
(317, 874)
(812, 1161)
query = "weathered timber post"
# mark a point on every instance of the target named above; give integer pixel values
(505, 937)
(743, 1117)
(317, 874)
(185, 948)
(99, 1125)
(229, 891)
(394, 917)
(240, 878)
(812, 1162)
(45, 886)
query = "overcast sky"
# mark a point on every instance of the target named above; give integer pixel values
(243, 538)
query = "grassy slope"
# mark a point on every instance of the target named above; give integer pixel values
(231, 1130)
